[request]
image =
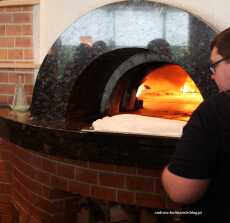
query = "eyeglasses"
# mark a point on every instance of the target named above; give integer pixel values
(213, 66)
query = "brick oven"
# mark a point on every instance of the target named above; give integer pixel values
(131, 57)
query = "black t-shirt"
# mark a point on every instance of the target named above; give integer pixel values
(204, 153)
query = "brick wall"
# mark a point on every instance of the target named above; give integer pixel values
(46, 188)
(6, 208)
(16, 50)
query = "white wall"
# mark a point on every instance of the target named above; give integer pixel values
(57, 15)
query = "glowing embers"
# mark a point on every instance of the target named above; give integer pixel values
(168, 92)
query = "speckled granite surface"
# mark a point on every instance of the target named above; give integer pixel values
(165, 33)
(82, 144)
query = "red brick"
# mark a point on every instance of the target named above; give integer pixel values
(37, 200)
(27, 30)
(4, 176)
(34, 220)
(51, 194)
(59, 183)
(6, 42)
(28, 182)
(6, 18)
(43, 216)
(15, 54)
(112, 180)
(82, 189)
(23, 42)
(49, 166)
(13, 30)
(22, 17)
(19, 201)
(4, 78)
(126, 197)
(126, 170)
(28, 54)
(6, 89)
(87, 176)
(10, 99)
(101, 166)
(4, 165)
(4, 99)
(3, 54)
(140, 184)
(79, 163)
(21, 70)
(28, 88)
(2, 30)
(48, 206)
(29, 98)
(1, 143)
(13, 78)
(4, 188)
(65, 170)
(6, 218)
(27, 8)
(34, 160)
(5, 146)
(23, 216)
(14, 9)
(149, 172)
(149, 200)
(24, 155)
(42, 177)
(6, 206)
(103, 193)
(6, 61)
(159, 187)
(5, 198)
(29, 78)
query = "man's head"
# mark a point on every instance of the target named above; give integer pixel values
(220, 59)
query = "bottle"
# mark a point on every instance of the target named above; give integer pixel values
(19, 100)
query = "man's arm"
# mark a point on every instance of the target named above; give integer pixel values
(183, 190)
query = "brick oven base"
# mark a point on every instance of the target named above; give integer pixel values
(44, 188)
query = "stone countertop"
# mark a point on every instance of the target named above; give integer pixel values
(54, 138)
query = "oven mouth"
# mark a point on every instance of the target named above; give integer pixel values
(110, 85)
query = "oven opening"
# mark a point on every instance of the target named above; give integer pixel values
(168, 92)
(133, 81)
(154, 98)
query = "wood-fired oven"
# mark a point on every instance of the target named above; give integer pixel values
(130, 57)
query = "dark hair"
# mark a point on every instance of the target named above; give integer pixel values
(222, 43)
(161, 47)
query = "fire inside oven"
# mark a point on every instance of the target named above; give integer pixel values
(168, 92)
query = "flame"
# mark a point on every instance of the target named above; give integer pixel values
(169, 92)
(189, 87)
(140, 90)
(185, 89)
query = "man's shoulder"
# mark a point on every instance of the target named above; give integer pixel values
(214, 101)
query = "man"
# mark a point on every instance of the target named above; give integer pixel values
(198, 174)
